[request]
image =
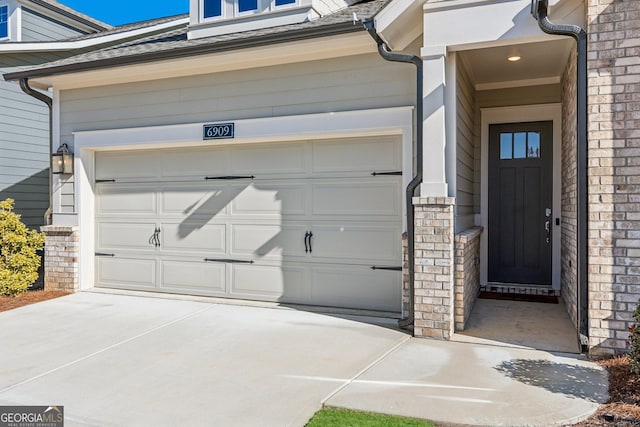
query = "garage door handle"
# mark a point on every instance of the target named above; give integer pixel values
(229, 260)
(378, 267)
(306, 245)
(310, 236)
(155, 237)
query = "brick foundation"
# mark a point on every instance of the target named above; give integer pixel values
(61, 258)
(467, 274)
(434, 244)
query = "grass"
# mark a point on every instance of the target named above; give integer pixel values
(332, 417)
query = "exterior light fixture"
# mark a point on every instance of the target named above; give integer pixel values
(62, 161)
(514, 58)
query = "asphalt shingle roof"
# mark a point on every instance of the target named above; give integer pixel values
(174, 42)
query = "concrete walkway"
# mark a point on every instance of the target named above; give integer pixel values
(133, 361)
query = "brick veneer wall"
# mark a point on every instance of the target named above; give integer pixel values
(569, 228)
(434, 244)
(61, 258)
(614, 170)
(467, 274)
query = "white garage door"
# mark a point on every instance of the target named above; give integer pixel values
(300, 222)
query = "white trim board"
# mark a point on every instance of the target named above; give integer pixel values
(386, 121)
(526, 113)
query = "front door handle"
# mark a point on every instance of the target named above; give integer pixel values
(547, 228)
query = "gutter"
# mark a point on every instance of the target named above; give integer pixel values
(539, 10)
(386, 54)
(189, 51)
(24, 85)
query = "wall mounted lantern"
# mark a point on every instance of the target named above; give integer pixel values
(62, 161)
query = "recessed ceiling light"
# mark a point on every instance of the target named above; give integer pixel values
(514, 58)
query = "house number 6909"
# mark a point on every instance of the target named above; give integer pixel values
(219, 131)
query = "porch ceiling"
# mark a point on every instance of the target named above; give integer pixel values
(540, 62)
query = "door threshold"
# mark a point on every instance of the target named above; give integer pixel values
(520, 292)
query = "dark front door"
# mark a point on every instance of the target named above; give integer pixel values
(520, 195)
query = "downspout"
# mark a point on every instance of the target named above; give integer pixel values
(384, 51)
(539, 10)
(24, 85)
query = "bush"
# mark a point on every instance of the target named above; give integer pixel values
(634, 341)
(19, 261)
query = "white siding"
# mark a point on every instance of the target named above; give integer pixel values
(359, 82)
(464, 150)
(35, 27)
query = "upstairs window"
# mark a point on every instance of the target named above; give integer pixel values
(212, 8)
(247, 6)
(4, 22)
(284, 2)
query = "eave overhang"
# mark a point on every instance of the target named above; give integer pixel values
(337, 40)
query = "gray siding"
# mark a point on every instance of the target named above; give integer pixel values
(24, 151)
(36, 27)
(354, 83)
(464, 150)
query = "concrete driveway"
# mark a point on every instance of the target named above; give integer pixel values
(129, 361)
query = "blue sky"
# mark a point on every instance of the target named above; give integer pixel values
(117, 12)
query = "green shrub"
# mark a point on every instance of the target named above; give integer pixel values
(19, 261)
(634, 342)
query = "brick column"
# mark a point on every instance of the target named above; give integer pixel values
(433, 303)
(61, 258)
(467, 274)
(614, 171)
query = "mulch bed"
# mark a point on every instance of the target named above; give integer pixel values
(30, 297)
(623, 407)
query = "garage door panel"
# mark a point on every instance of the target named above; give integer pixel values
(356, 198)
(273, 283)
(128, 273)
(193, 276)
(195, 200)
(125, 165)
(268, 241)
(194, 163)
(366, 155)
(355, 287)
(193, 236)
(123, 200)
(119, 236)
(272, 198)
(321, 186)
(267, 159)
(357, 243)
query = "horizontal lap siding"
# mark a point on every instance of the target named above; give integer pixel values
(38, 28)
(24, 151)
(359, 82)
(464, 152)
